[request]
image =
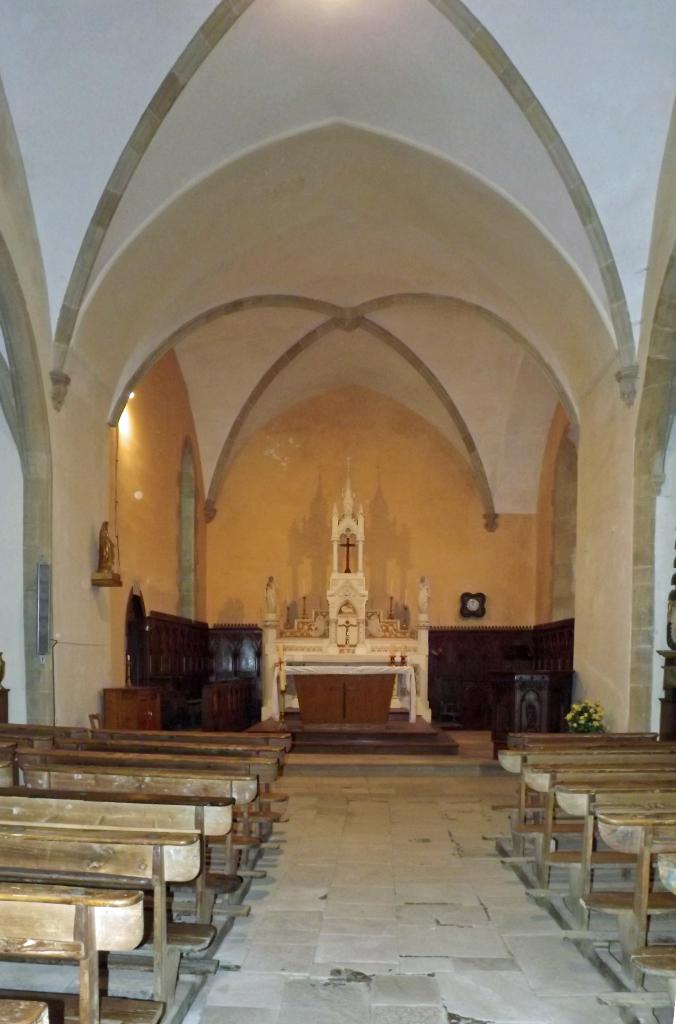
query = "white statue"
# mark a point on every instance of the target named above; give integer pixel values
(423, 595)
(271, 596)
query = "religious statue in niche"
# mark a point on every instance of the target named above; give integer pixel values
(105, 575)
(347, 626)
(423, 595)
(271, 597)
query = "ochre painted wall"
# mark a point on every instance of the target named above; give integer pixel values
(158, 421)
(423, 516)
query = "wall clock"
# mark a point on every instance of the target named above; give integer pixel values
(472, 606)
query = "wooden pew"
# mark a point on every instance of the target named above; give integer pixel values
(187, 748)
(649, 791)
(58, 922)
(585, 740)
(643, 834)
(211, 816)
(265, 769)
(660, 959)
(543, 778)
(23, 1011)
(537, 770)
(165, 781)
(49, 853)
(274, 740)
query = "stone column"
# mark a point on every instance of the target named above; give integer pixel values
(424, 709)
(268, 703)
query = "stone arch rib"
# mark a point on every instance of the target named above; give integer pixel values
(487, 47)
(215, 27)
(33, 443)
(210, 33)
(397, 345)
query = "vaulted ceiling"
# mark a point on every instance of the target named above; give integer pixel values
(450, 203)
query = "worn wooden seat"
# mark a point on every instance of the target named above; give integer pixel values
(23, 1011)
(151, 780)
(80, 855)
(642, 833)
(584, 799)
(274, 740)
(266, 769)
(57, 922)
(211, 816)
(541, 772)
(587, 740)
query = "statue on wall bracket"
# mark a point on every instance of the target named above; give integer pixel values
(105, 575)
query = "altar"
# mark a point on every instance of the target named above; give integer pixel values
(346, 663)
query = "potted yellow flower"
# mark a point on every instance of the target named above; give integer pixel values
(585, 716)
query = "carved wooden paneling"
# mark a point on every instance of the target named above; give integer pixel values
(235, 652)
(463, 660)
(226, 706)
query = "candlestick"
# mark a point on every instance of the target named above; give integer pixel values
(304, 606)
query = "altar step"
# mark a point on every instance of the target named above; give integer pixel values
(398, 736)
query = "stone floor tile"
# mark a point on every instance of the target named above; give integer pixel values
(413, 940)
(407, 1015)
(405, 991)
(291, 959)
(238, 1015)
(554, 967)
(360, 926)
(356, 947)
(314, 1001)
(361, 894)
(252, 989)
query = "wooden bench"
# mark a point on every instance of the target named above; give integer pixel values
(211, 816)
(81, 855)
(64, 923)
(584, 740)
(165, 781)
(187, 748)
(660, 959)
(538, 772)
(583, 800)
(23, 1011)
(643, 834)
(274, 740)
(264, 769)
(543, 778)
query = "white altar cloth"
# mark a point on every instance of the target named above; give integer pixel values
(351, 668)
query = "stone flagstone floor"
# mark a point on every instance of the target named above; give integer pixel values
(385, 905)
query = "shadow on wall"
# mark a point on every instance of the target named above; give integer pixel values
(386, 559)
(231, 611)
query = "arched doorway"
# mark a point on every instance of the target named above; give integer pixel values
(135, 671)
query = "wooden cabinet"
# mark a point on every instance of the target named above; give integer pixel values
(134, 707)
(4, 705)
(528, 702)
(227, 706)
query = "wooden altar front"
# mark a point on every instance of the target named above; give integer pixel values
(344, 699)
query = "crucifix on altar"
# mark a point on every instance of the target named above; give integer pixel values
(347, 545)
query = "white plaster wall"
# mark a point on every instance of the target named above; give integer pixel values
(665, 553)
(603, 568)
(605, 72)
(78, 75)
(11, 573)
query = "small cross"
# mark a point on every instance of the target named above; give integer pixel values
(348, 545)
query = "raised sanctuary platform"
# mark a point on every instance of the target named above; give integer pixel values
(396, 736)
